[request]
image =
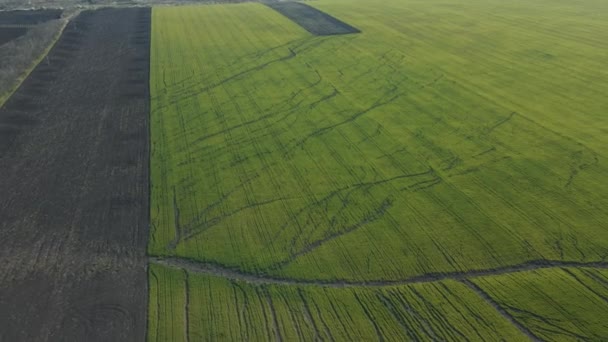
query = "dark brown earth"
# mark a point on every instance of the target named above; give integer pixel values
(32, 17)
(73, 185)
(9, 33)
(311, 19)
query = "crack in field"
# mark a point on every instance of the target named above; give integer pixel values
(218, 270)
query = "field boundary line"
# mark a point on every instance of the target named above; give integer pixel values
(19, 81)
(219, 270)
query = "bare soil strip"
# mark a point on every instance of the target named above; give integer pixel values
(9, 33)
(312, 20)
(224, 272)
(23, 55)
(74, 203)
(28, 17)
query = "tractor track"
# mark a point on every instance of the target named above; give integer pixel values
(218, 270)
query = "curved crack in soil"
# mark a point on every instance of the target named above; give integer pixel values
(219, 270)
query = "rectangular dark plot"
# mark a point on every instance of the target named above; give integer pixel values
(31, 17)
(312, 20)
(9, 33)
(74, 186)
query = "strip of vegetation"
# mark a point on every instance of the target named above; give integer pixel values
(189, 306)
(568, 304)
(444, 153)
(344, 158)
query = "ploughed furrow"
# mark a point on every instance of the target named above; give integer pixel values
(74, 203)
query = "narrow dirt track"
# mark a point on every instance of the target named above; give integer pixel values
(74, 203)
(224, 272)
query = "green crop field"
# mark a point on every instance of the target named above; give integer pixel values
(221, 309)
(430, 163)
(561, 304)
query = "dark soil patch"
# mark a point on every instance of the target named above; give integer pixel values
(312, 20)
(32, 17)
(74, 192)
(9, 33)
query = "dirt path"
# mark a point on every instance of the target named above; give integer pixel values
(220, 271)
(74, 203)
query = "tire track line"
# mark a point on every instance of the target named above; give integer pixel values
(486, 297)
(218, 270)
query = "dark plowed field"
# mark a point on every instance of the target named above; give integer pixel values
(32, 17)
(312, 20)
(73, 185)
(9, 33)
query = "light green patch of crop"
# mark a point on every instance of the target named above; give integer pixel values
(166, 304)
(555, 304)
(444, 137)
(221, 309)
